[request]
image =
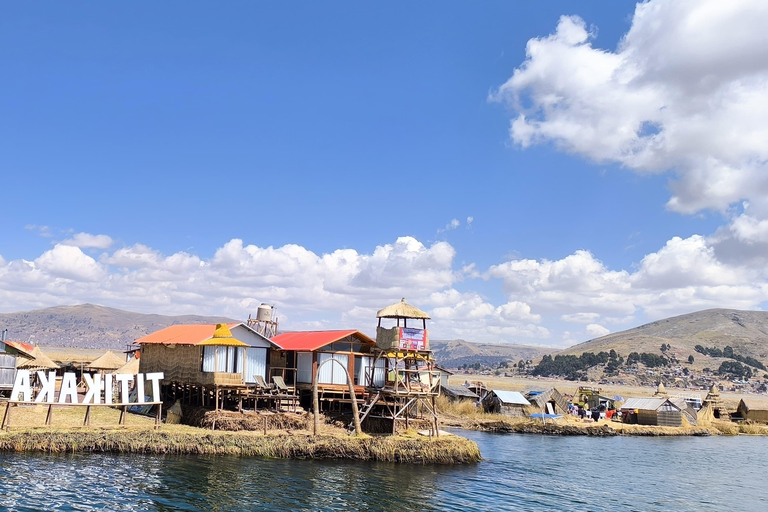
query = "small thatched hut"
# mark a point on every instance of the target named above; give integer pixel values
(108, 362)
(459, 393)
(549, 401)
(508, 403)
(652, 411)
(753, 410)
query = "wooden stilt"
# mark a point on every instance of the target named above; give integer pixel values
(87, 420)
(7, 417)
(49, 416)
(123, 411)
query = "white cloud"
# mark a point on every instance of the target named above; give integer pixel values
(580, 318)
(597, 330)
(84, 240)
(453, 224)
(686, 90)
(69, 262)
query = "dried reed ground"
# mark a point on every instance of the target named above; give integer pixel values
(68, 435)
(468, 415)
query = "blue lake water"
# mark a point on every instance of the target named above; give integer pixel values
(519, 472)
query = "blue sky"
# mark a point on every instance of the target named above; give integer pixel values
(197, 158)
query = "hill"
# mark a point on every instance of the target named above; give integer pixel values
(455, 353)
(745, 331)
(90, 326)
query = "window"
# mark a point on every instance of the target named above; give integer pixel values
(223, 359)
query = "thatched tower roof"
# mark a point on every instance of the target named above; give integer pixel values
(223, 336)
(402, 310)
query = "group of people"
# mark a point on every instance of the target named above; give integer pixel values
(596, 414)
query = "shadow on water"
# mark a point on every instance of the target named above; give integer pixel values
(519, 472)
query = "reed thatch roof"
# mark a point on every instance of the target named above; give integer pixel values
(108, 361)
(39, 361)
(402, 310)
(223, 336)
(131, 367)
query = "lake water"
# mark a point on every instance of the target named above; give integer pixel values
(519, 472)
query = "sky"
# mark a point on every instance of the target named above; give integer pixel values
(525, 173)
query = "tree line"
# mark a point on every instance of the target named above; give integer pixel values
(728, 353)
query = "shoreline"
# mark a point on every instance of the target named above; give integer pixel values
(568, 427)
(449, 449)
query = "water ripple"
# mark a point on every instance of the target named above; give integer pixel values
(519, 473)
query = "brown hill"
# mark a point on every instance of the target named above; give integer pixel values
(89, 326)
(745, 331)
(454, 353)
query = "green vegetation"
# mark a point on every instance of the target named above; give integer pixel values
(575, 367)
(734, 370)
(728, 353)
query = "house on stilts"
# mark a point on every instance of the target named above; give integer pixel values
(206, 364)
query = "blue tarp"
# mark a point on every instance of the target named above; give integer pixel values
(547, 416)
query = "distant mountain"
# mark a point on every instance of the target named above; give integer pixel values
(455, 353)
(90, 326)
(745, 331)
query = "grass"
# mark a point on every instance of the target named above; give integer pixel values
(139, 436)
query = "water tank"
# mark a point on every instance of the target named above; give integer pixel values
(264, 313)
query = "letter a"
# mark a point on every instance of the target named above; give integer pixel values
(21, 385)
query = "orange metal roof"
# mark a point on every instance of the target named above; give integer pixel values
(308, 341)
(182, 334)
(21, 346)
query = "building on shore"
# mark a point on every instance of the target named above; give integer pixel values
(205, 361)
(549, 401)
(507, 403)
(301, 354)
(752, 410)
(652, 411)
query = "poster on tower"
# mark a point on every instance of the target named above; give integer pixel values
(413, 339)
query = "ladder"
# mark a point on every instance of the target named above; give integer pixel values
(368, 406)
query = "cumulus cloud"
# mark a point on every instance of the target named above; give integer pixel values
(597, 330)
(686, 90)
(85, 240)
(683, 276)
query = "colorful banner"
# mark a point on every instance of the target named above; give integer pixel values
(413, 339)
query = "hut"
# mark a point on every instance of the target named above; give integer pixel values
(30, 357)
(508, 403)
(689, 412)
(107, 362)
(303, 352)
(652, 411)
(753, 410)
(195, 356)
(549, 401)
(458, 394)
(7, 368)
(713, 407)
(131, 367)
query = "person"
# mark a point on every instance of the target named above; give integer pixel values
(589, 414)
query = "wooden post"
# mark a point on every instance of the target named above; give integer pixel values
(216, 398)
(437, 422)
(159, 417)
(123, 412)
(7, 417)
(265, 425)
(87, 420)
(315, 401)
(49, 416)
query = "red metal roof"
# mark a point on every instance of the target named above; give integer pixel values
(182, 334)
(308, 341)
(21, 346)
